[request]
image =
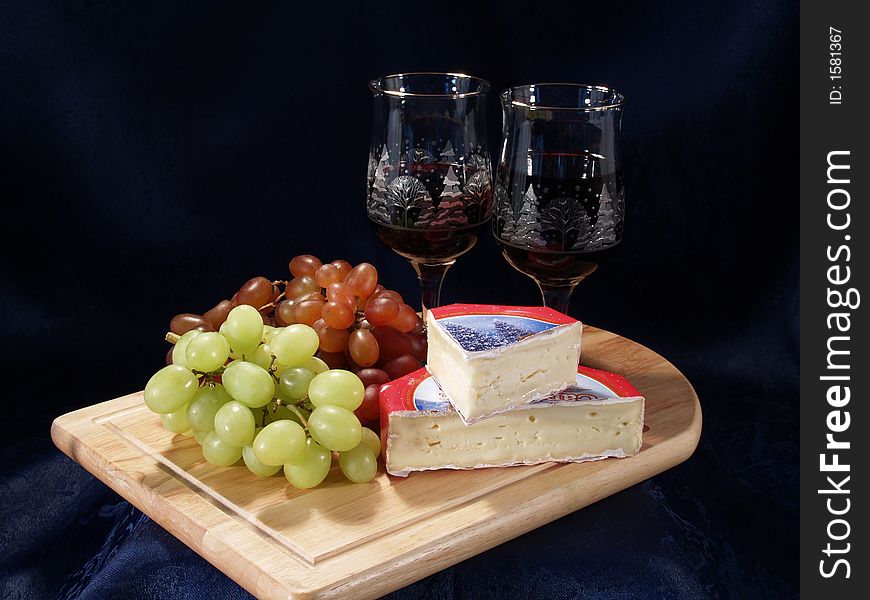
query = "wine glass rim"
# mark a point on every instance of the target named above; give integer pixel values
(376, 85)
(617, 102)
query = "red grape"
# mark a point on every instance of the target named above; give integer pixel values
(333, 340)
(418, 328)
(338, 315)
(370, 408)
(392, 344)
(339, 292)
(363, 348)
(419, 346)
(181, 324)
(301, 285)
(327, 274)
(406, 320)
(304, 264)
(257, 292)
(370, 376)
(307, 311)
(343, 266)
(362, 280)
(217, 315)
(284, 312)
(318, 325)
(401, 366)
(389, 294)
(364, 324)
(311, 296)
(382, 311)
(335, 360)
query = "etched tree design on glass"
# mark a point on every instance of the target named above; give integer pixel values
(377, 205)
(527, 230)
(406, 199)
(478, 161)
(450, 211)
(447, 153)
(427, 213)
(604, 233)
(565, 224)
(478, 196)
(504, 217)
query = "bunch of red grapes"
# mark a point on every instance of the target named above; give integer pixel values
(363, 326)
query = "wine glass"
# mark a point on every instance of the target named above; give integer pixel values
(429, 192)
(560, 203)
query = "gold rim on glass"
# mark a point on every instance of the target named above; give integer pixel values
(376, 85)
(617, 97)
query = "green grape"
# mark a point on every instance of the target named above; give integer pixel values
(200, 437)
(269, 332)
(170, 388)
(337, 387)
(359, 464)
(218, 452)
(255, 466)
(204, 406)
(371, 439)
(207, 352)
(176, 422)
(283, 413)
(261, 357)
(179, 351)
(234, 424)
(310, 468)
(316, 365)
(335, 428)
(233, 353)
(295, 344)
(293, 383)
(248, 383)
(279, 442)
(244, 329)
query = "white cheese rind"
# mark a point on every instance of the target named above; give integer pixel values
(485, 383)
(569, 431)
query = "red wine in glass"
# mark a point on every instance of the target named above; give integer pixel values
(421, 230)
(568, 219)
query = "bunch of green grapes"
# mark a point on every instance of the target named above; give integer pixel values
(258, 393)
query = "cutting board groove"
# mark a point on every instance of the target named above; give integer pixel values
(361, 541)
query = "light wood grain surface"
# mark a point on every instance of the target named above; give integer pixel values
(344, 540)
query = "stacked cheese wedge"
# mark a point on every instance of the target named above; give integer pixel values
(503, 388)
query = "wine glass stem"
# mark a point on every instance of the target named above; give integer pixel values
(557, 297)
(431, 278)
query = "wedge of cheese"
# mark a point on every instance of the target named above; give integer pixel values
(489, 359)
(600, 416)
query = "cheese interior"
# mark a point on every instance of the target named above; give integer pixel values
(538, 433)
(480, 384)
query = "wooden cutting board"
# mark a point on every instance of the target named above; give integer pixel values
(344, 540)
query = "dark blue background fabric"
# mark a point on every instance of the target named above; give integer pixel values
(153, 156)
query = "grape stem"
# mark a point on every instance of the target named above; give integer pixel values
(299, 414)
(273, 303)
(171, 337)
